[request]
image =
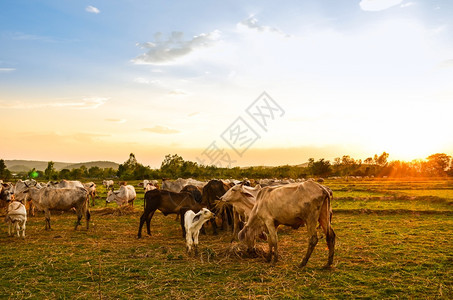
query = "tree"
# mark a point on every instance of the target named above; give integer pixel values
(95, 172)
(49, 172)
(172, 165)
(64, 174)
(5, 174)
(438, 164)
(319, 168)
(77, 173)
(382, 159)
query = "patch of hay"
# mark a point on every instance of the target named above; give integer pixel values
(116, 211)
(240, 250)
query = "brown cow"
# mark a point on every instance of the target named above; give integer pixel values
(292, 205)
(243, 199)
(168, 203)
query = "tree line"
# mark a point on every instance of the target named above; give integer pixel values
(174, 166)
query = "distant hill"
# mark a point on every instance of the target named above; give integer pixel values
(27, 165)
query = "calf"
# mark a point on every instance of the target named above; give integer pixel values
(168, 203)
(16, 216)
(192, 225)
(91, 189)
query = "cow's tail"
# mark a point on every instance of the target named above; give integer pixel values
(326, 223)
(327, 207)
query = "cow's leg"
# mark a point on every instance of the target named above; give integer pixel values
(195, 240)
(142, 221)
(330, 238)
(236, 221)
(148, 222)
(79, 217)
(17, 228)
(88, 217)
(229, 215)
(312, 241)
(23, 229)
(214, 226)
(273, 239)
(325, 221)
(189, 241)
(47, 215)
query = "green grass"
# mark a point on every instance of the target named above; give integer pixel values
(383, 256)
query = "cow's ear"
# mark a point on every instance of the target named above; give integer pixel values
(247, 194)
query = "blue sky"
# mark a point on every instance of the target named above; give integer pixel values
(89, 80)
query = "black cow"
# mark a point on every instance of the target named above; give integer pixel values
(212, 192)
(196, 193)
(168, 203)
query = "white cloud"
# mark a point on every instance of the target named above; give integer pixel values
(448, 63)
(119, 121)
(252, 23)
(7, 70)
(378, 5)
(92, 9)
(407, 4)
(142, 80)
(161, 130)
(85, 103)
(162, 52)
(178, 93)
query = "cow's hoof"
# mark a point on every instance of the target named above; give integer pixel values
(327, 267)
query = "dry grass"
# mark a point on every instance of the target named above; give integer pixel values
(395, 255)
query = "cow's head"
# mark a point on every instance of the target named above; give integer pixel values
(111, 195)
(236, 193)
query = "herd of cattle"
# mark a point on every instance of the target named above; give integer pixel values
(251, 209)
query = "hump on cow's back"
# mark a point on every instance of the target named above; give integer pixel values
(150, 193)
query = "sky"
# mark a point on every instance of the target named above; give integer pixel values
(231, 83)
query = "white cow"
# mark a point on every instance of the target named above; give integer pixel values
(192, 224)
(48, 199)
(16, 217)
(107, 184)
(178, 184)
(123, 196)
(65, 184)
(148, 185)
(22, 185)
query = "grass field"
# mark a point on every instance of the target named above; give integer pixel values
(389, 245)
